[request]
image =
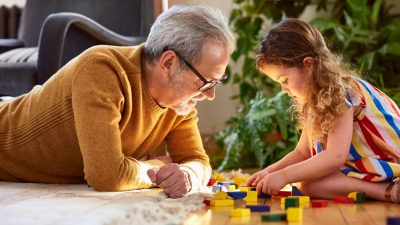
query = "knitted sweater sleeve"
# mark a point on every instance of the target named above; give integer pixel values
(97, 100)
(185, 147)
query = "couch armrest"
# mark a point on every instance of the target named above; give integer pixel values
(9, 44)
(65, 35)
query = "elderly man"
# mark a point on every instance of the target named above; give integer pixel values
(110, 107)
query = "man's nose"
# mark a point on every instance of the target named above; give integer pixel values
(210, 93)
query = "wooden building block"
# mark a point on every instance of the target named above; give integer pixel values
(273, 217)
(215, 188)
(221, 195)
(358, 197)
(291, 202)
(215, 202)
(262, 195)
(251, 196)
(211, 182)
(258, 208)
(237, 194)
(239, 212)
(243, 188)
(340, 199)
(294, 214)
(393, 220)
(284, 193)
(239, 180)
(296, 191)
(319, 203)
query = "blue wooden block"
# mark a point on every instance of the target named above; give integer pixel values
(237, 194)
(296, 191)
(262, 195)
(258, 208)
(393, 220)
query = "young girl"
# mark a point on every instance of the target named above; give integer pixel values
(350, 130)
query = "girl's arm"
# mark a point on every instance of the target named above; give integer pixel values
(328, 161)
(300, 153)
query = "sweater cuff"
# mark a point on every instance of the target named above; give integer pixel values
(199, 174)
(144, 167)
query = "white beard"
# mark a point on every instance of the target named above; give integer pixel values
(183, 109)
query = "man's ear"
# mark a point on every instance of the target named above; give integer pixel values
(168, 60)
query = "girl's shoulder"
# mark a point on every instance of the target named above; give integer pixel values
(354, 94)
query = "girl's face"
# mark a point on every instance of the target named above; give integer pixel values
(293, 80)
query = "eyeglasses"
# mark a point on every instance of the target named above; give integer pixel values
(208, 84)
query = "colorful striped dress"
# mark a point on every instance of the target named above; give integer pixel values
(375, 146)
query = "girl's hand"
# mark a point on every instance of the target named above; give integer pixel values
(257, 177)
(272, 183)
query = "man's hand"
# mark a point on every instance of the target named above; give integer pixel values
(172, 179)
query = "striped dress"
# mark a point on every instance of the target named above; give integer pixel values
(375, 146)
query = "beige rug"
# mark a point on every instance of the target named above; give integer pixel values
(27, 203)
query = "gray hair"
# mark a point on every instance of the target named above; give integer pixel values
(186, 29)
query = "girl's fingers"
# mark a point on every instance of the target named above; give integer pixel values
(251, 180)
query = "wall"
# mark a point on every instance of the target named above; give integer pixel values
(12, 2)
(213, 114)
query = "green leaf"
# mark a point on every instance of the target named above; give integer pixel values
(367, 60)
(324, 24)
(390, 48)
(375, 13)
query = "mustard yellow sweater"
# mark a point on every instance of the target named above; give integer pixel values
(92, 121)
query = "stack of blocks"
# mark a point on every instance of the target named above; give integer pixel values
(291, 201)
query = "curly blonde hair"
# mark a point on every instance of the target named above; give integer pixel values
(287, 44)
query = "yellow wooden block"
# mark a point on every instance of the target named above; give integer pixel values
(239, 180)
(219, 177)
(252, 196)
(239, 212)
(221, 195)
(283, 201)
(304, 199)
(294, 214)
(353, 195)
(246, 189)
(216, 202)
(232, 187)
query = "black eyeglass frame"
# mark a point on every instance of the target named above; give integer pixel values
(208, 84)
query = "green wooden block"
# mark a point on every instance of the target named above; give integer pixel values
(291, 202)
(360, 197)
(274, 217)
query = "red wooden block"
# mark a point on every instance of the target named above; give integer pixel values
(284, 193)
(319, 203)
(340, 199)
(211, 182)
